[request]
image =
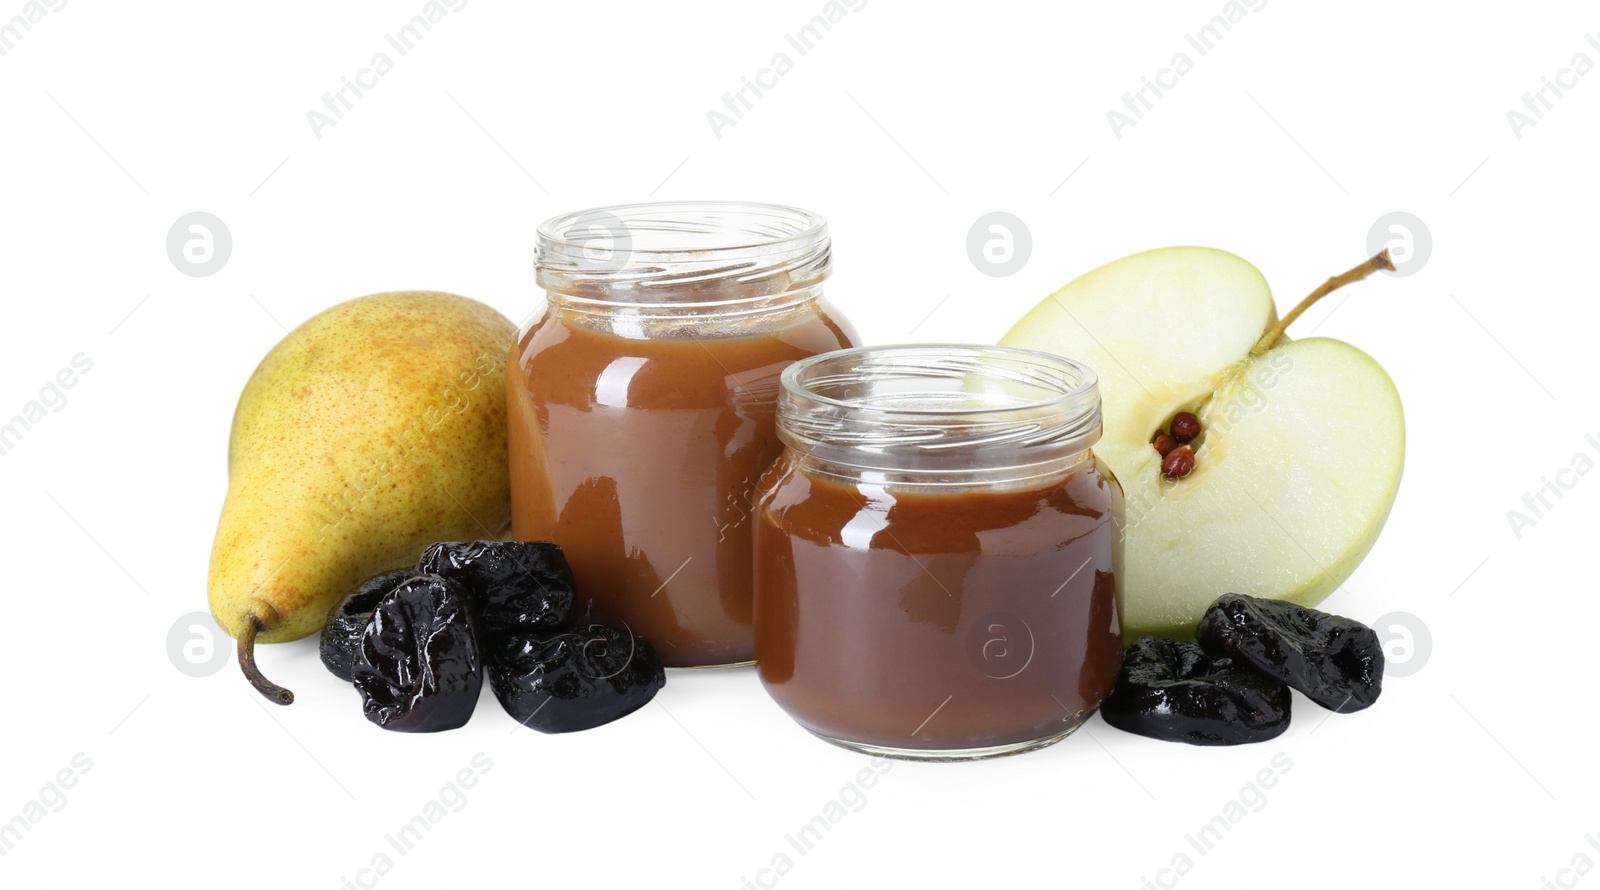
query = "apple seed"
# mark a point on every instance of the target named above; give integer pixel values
(1164, 444)
(1178, 463)
(1185, 427)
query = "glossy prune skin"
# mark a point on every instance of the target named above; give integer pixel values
(341, 636)
(1334, 661)
(574, 680)
(418, 667)
(1173, 691)
(514, 586)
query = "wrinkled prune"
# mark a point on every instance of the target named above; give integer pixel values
(341, 636)
(1336, 662)
(523, 586)
(1174, 691)
(418, 667)
(580, 679)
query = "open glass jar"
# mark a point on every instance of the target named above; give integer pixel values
(641, 402)
(937, 558)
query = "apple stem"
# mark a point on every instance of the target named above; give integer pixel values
(1374, 264)
(247, 663)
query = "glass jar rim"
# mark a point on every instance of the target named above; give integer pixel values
(689, 219)
(705, 253)
(941, 407)
(1087, 381)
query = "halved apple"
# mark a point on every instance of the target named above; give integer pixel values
(1302, 442)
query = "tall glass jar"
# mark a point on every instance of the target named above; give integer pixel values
(937, 567)
(641, 403)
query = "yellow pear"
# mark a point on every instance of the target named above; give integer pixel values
(372, 430)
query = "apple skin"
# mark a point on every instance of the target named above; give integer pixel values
(1300, 459)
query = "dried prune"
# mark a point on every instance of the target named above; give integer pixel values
(418, 667)
(521, 586)
(342, 634)
(576, 680)
(1336, 662)
(1174, 691)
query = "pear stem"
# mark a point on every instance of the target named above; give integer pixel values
(247, 663)
(1374, 264)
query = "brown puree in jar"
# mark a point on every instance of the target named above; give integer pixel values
(638, 456)
(927, 620)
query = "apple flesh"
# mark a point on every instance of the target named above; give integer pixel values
(1301, 448)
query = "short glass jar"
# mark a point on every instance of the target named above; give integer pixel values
(938, 563)
(641, 402)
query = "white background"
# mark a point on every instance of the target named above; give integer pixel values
(904, 125)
